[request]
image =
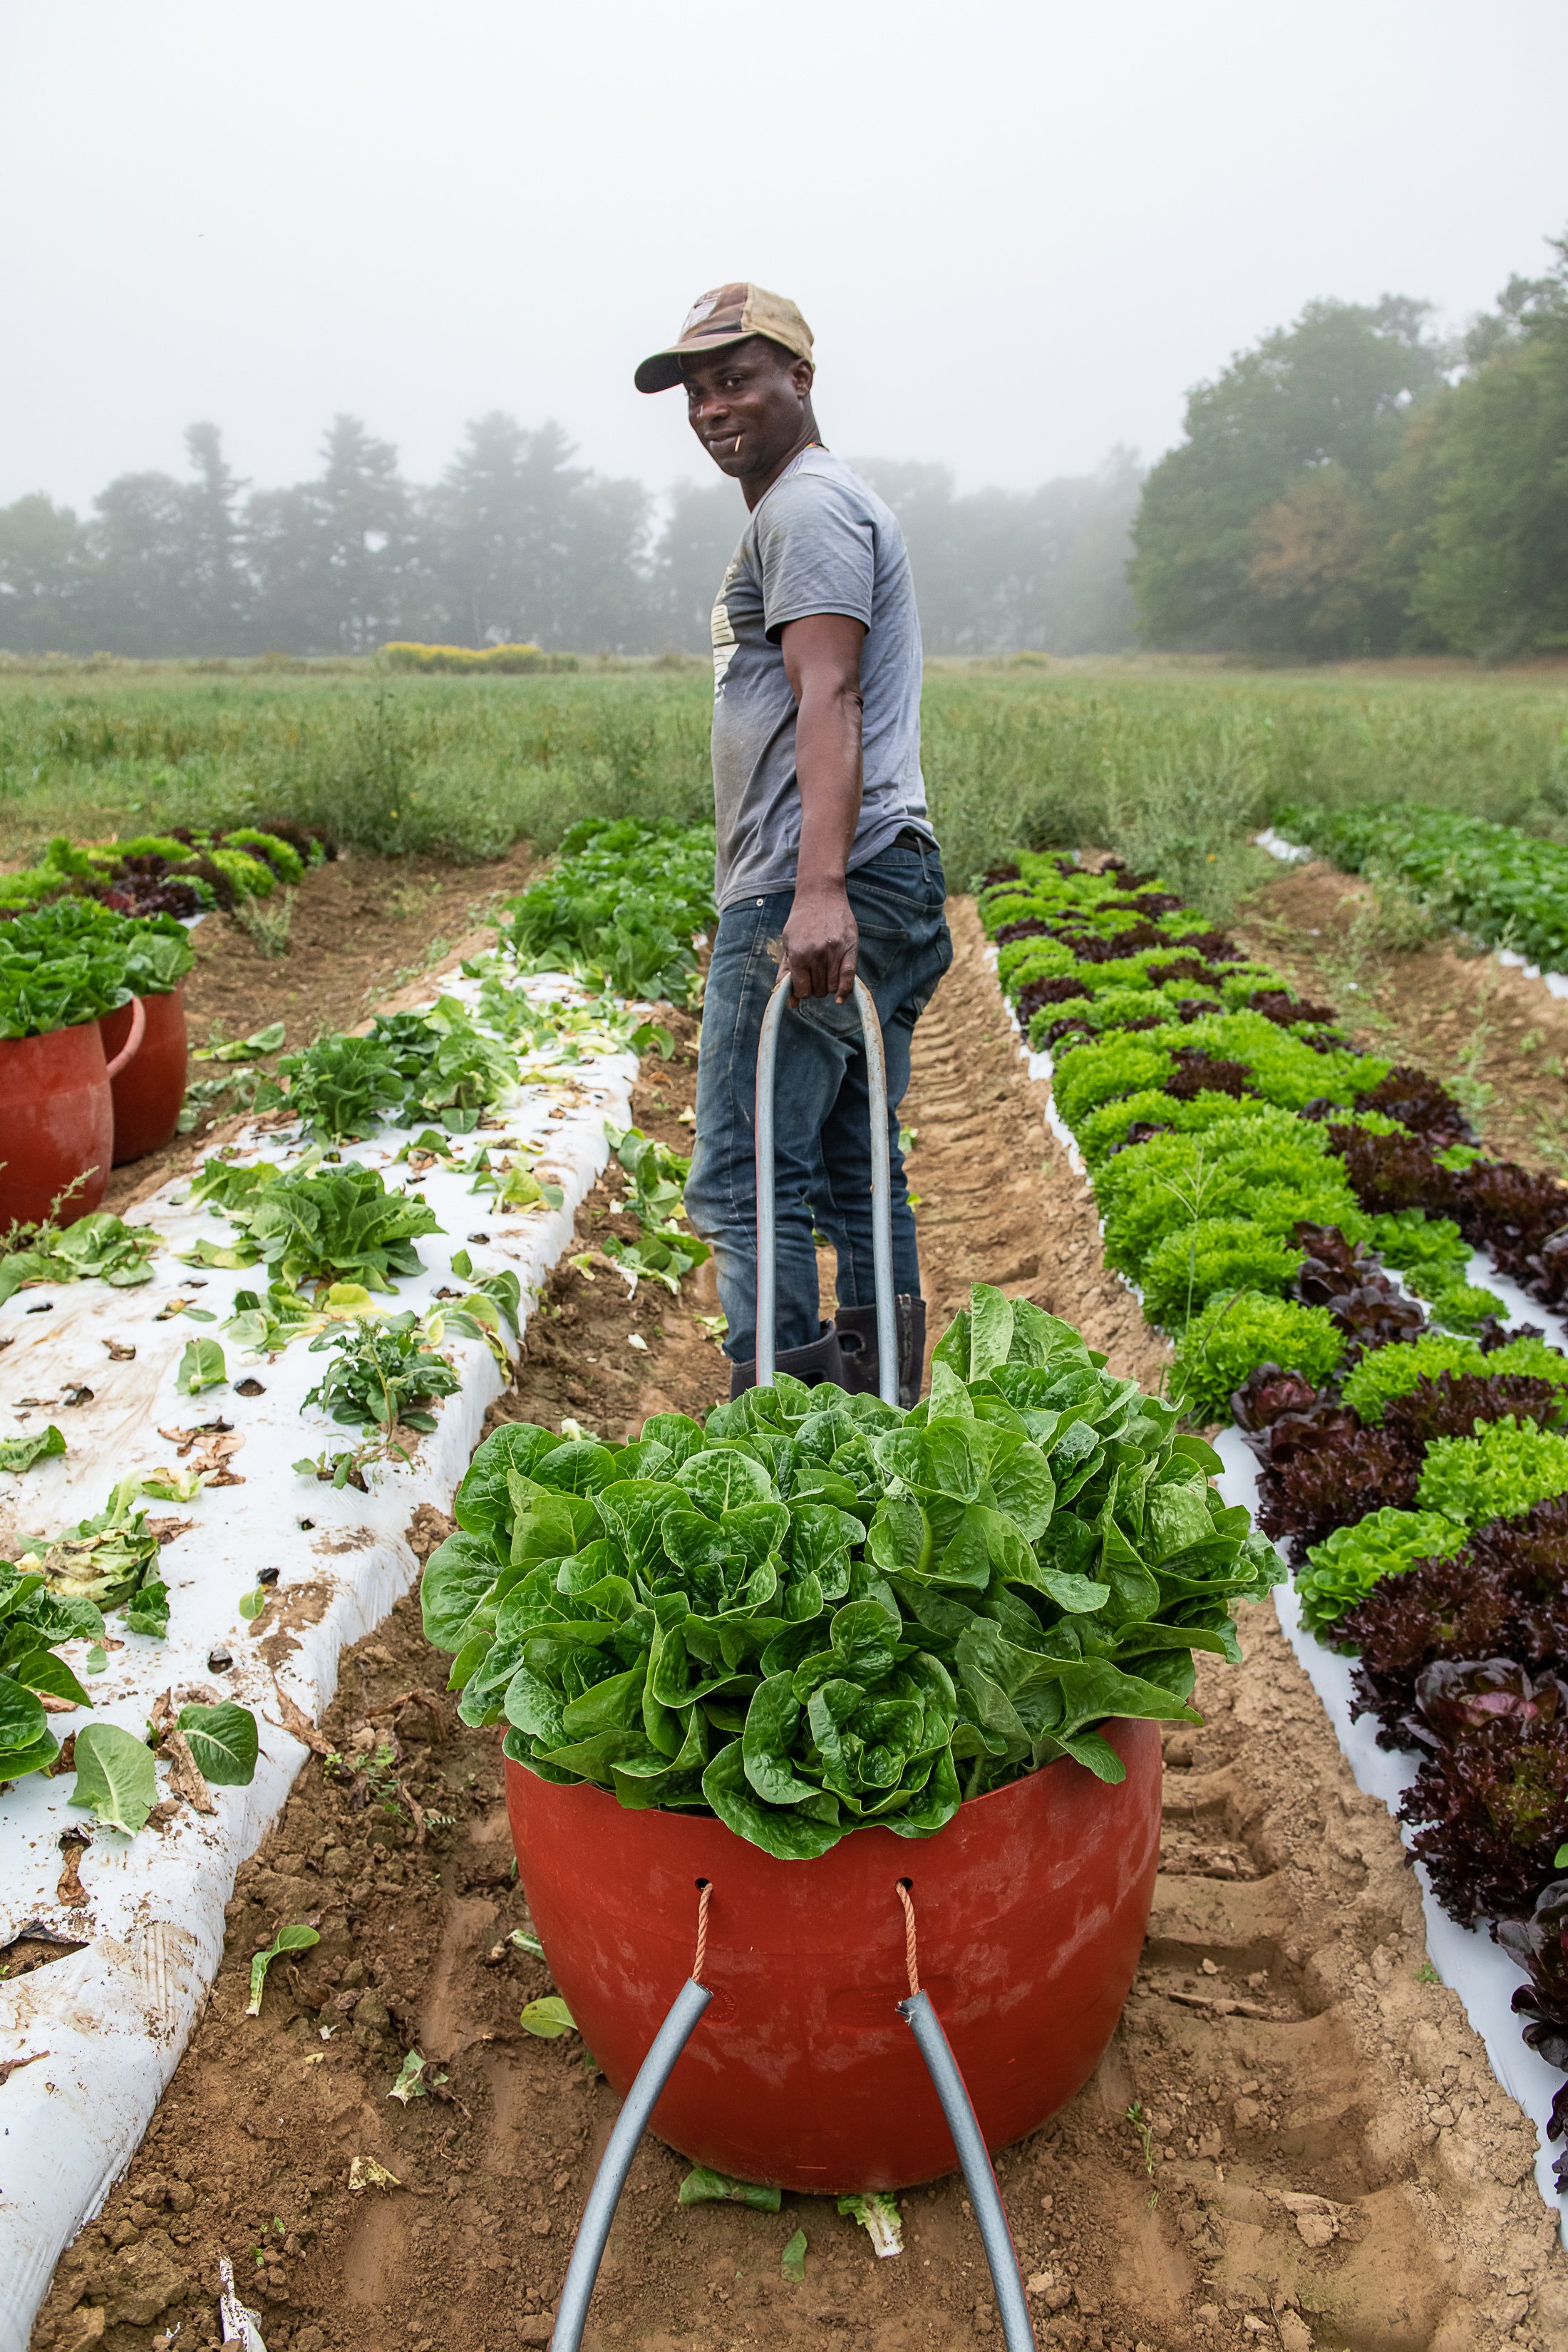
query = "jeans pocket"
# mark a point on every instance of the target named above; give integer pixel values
(891, 910)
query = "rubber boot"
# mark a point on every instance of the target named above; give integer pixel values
(857, 1344)
(814, 1364)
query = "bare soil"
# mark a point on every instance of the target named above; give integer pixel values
(361, 934)
(1498, 1040)
(1319, 2156)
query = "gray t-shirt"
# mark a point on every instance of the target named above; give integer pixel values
(820, 542)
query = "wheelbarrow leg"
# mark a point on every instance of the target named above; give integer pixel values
(583, 2270)
(979, 2177)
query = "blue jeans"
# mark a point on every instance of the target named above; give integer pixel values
(823, 1121)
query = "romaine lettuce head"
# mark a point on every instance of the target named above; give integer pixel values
(813, 1610)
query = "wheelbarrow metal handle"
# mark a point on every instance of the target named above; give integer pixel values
(588, 2250)
(881, 1190)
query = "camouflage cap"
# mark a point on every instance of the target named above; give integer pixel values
(728, 314)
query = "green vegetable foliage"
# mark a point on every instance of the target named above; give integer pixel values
(18, 1453)
(1221, 1345)
(97, 1247)
(107, 1562)
(1504, 886)
(1500, 1473)
(621, 907)
(115, 1777)
(34, 1622)
(702, 2186)
(816, 1611)
(1343, 1568)
(383, 1373)
(201, 1367)
(60, 966)
(223, 1741)
(319, 1224)
(296, 1938)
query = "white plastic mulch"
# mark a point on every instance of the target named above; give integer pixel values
(88, 2042)
(1291, 853)
(1466, 1958)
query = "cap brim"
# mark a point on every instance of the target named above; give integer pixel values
(661, 372)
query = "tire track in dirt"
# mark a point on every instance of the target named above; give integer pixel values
(1327, 2161)
(998, 1202)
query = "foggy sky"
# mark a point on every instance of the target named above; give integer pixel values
(1021, 232)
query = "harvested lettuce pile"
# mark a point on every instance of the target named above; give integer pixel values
(817, 1612)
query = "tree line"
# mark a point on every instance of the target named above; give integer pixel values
(1356, 485)
(517, 543)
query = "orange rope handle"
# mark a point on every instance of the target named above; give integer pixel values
(707, 1890)
(911, 1961)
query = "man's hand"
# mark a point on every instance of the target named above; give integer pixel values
(821, 942)
(821, 661)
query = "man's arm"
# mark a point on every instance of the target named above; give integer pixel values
(821, 661)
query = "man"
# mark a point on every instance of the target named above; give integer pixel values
(827, 864)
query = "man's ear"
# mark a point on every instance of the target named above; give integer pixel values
(803, 375)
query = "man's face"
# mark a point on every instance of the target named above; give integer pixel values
(747, 405)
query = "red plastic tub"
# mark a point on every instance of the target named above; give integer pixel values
(1031, 1907)
(57, 1121)
(150, 1090)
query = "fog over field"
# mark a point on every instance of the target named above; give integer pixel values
(323, 321)
(1021, 232)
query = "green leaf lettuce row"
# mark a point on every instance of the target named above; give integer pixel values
(99, 1246)
(815, 1610)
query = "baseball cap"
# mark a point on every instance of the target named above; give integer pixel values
(726, 314)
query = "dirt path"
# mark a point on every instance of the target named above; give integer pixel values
(1498, 1040)
(361, 934)
(1327, 2159)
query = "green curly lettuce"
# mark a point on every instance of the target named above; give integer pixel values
(1343, 1568)
(1500, 1473)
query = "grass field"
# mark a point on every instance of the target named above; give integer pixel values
(1173, 766)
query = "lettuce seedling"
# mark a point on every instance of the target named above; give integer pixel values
(34, 1623)
(326, 1224)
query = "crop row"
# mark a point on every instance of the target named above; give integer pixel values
(473, 661)
(1506, 887)
(180, 873)
(1257, 1179)
(328, 1237)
